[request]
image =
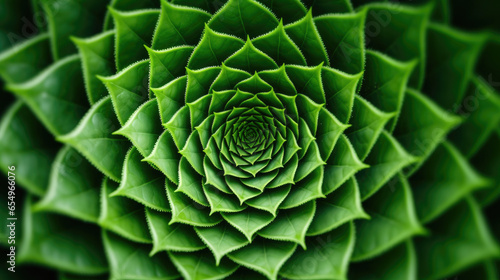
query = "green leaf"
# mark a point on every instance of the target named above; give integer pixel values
(306, 190)
(199, 110)
(310, 162)
(254, 84)
(128, 5)
(329, 131)
(213, 49)
(170, 98)
(209, 5)
(305, 35)
(327, 257)
(55, 92)
(421, 135)
(201, 266)
(220, 201)
(243, 18)
(122, 215)
(129, 260)
(133, 30)
(248, 221)
(384, 82)
(193, 152)
(167, 65)
(186, 211)
(342, 165)
(228, 79)
(199, 82)
(26, 145)
(61, 243)
(309, 111)
(97, 59)
(72, 18)
(393, 220)
(340, 89)
(73, 188)
(250, 59)
(343, 39)
(221, 240)
(287, 10)
(265, 256)
(291, 224)
(175, 237)
(444, 180)
(307, 81)
(214, 176)
(179, 127)
(128, 89)
(445, 82)
(93, 139)
(166, 157)
(460, 239)
(278, 45)
(242, 191)
(190, 183)
(399, 263)
(142, 183)
(400, 33)
(482, 117)
(337, 209)
(367, 124)
(279, 80)
(270, 199)
(143, 127)
(385, 160)
(178, 25)
(25, 60)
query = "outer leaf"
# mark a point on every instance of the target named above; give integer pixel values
(343, 38)
(220, 201)
(248, 221)
(306, 37)
(186, 211)
(385, 160)
(278, 45)
(128, 89)
(93, 139)
(26, 60)
(32, 158)
(329, 131)
(133, 31)
(469, 242)
(131, 261)
(201, 266)
(97, 59)
(213, 49)
(393, 219)
(250, 59)
(190, 183)
(74, 187)
(55, 92)
(399, 263)
(342, 164)
(328, 7)
(265, 256)
(270, 199)
(288, 10)
(178, 25)
(143, 128)
(221, 240)
(327, 257)
(142, 183)
(167, 65)
(291, 225)
(61, 243)
(443, 181)
(176, 237)
(306, 190)
(122, 216)
(165, 157)
(340, 89)
(337, 209)
(243, 18)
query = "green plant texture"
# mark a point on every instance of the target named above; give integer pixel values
(250, 139)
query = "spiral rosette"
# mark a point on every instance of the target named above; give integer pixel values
(248, 139)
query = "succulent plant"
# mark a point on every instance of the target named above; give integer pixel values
(244, 139)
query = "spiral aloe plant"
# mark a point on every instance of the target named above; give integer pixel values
(245, 139)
